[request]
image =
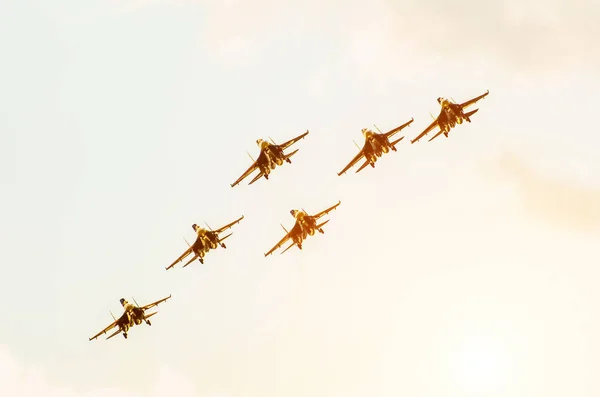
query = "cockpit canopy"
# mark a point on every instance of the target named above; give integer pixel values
(262, 144)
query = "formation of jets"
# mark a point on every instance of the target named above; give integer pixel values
(271, 156)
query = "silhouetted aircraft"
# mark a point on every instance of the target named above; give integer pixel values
(271, 155)
(205, 241)
(306, 225)
(450, 115)
(132, 315)
(374, 147)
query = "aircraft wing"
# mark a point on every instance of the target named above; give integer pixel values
(182, 257)
(352, 162)
(391, 133)
(432, 126)
(325, 212)
(111, 326)
(262, 158)
(356, 159)
(427, 130)
(229, 225)
(472, 101)
(151, 305)
(436, 135)
(295, 229)
(289, 143)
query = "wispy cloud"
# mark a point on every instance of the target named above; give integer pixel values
(19, 380)
(561, 203)
(529, 36)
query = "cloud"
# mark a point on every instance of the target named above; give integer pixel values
(528, 36)
(18, 380)
(379, 36)
(563, 204)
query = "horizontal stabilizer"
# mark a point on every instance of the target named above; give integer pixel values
(256, 178)
(472, 112)
(287, 156)
(191, 260)
(289, 246)
(322, 224)
(363, 166)
(147, 316)
(223, 238)
(114, 333)
(396, 141)
(440, 132)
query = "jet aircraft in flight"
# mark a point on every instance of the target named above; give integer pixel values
(271, 155)
(450, 115)
(205, 241)
(133, 315)
(374, 147)
(306, 225)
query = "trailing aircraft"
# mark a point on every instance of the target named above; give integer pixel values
(133, 315)
(450, 114)
(206, 239)
(375, 146)
(306, 225)
(271, 155)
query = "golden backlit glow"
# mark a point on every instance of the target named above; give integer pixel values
(467, 266)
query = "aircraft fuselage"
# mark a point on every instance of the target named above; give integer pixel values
(133, 316)
(308, 224)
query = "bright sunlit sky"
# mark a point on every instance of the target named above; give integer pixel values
(467, 266)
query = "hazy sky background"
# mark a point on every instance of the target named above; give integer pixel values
(461, 267)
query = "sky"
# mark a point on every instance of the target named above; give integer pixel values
(459, 267)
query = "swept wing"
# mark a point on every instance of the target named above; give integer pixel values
(472, 101)
(261, 160)
(356, 159)
(151, 305)
(297, 229)
(182, 257)
(222, 229)
(435, 123)
(391, 133)
(289, 143)
(123, 318)
(325, 212)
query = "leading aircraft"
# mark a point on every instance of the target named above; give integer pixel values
(205, 241)
(133, 315)
(374, 147)
(271, 155)
(450, 115)
(306, 225)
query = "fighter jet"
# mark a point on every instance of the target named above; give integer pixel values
(133, 315)
(306, 225)
(450, 115)
(271, 155)
(374, 147)
(205, 241)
